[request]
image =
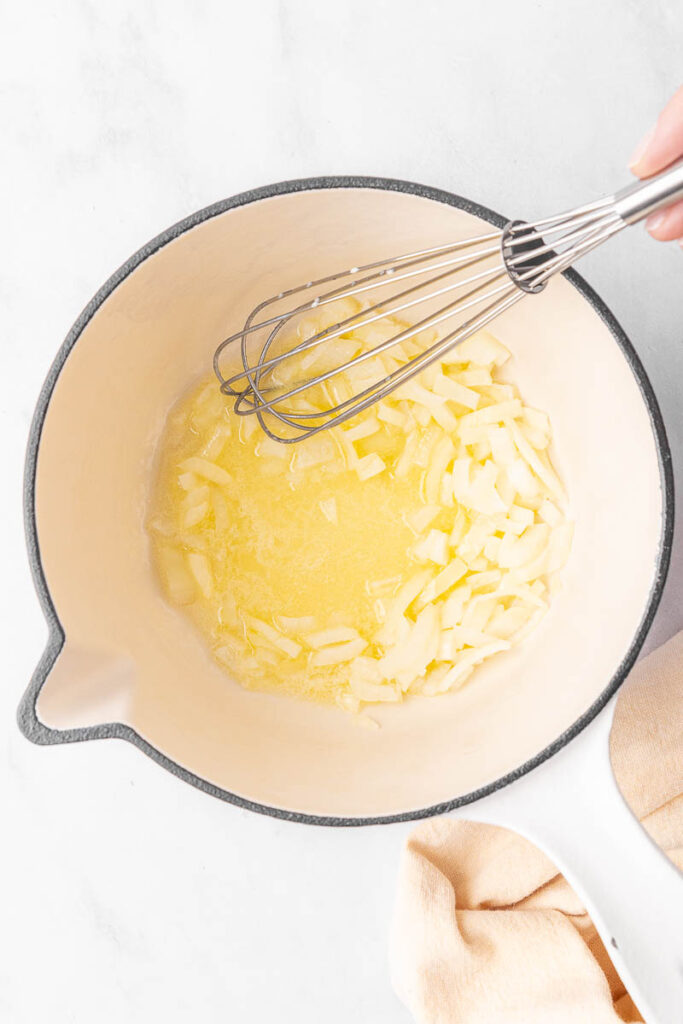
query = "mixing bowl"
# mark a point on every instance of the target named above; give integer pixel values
(121, 662)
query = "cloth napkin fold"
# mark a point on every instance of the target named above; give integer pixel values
(485, 929)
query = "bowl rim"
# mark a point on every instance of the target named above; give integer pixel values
(39, 733)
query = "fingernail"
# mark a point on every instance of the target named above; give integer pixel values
(641, 148)
(654, 221)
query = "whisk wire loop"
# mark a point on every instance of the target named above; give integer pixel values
(476, 279)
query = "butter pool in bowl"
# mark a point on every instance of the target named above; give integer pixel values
(126, 661)
(383, 559)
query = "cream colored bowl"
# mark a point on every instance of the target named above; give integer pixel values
(122, 662)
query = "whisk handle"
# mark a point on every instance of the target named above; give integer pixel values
(639, 200)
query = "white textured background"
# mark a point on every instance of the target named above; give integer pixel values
(125, 895)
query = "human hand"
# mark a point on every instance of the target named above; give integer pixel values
(663, 145)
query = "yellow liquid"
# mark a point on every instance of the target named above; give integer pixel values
(385, 557)
(278, 554)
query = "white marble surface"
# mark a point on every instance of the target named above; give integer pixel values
(125, 894)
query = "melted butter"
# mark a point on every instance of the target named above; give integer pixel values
(277, 554)
(297, 563)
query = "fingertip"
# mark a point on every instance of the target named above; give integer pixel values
(655, 223)
(663, 144)
(640, 152)
(666, 225)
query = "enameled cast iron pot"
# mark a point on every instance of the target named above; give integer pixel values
(528, 739)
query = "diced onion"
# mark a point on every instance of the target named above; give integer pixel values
(433, 547)
(487, 514)
(338, 653)
(369, 466)
(208, 470)
(333, 635)
(328, 507)
(273, 636)
(200, 569)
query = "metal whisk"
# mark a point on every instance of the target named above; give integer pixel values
(478, 278)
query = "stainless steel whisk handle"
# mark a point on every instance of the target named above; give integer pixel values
(637, 201)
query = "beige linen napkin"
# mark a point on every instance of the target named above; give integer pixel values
(487, 932)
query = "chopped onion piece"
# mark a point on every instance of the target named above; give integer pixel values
(454, 606)
(338, 653)
(273, 636)
(465, 661)
(197, 496)
(537, 420)
(450, 388)
(425, 447)
(413, 653)
(543, 472)
(387, 414)
(348, 702)
(459, 528)
(506, 623)
(517, 551)
(472, 543)
(328, 507)
(433, 548)
(178, 581)
(420, 520)
(299, 624)
(482, 494)
(216, 442)
(479, 611)
(396, 625)
(372, 692)
(440, 457)
(437, 681)
(314, 451)
(200, 569)
(522, 479)
(369, 466)
(195, 514)
(366, 428)
(498, 392)
(503, 448)
(248, 426)
(383, 587)
(530, 626)
(481, 348)
(453, 640)
(445, 419)
(501, 412)
(479, 580)
(221, 519)
(491, 548)
(519, 514)
(207, 470)
(405, 462)
(550, 513)
(414, 392)
(536, 438)
(333, 635)
(474, 376)
(188, 481)
(447, 578)
(268, 446)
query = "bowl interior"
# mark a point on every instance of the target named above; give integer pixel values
(129, 657)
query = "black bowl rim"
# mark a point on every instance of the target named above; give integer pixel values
(39, 733)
